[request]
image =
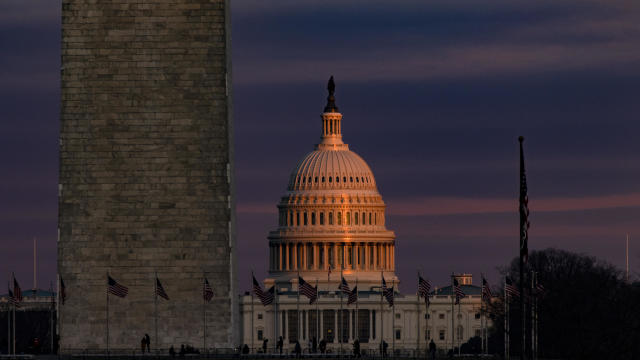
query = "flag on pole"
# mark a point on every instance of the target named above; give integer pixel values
(486, 289)
(540, 290)
(17, 293)
(329, 271)
(307, 290)
(63, 291)
(524, 209)
(115, 288)
(266, 297)
(353, 296)
(510, 289)
(344, 287)
(387, 292)
(458, 291)
(12, 299)
(207, 291)
(424, 286)
(160, 290)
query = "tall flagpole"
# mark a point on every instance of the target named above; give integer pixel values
(452, 317)
(275, 316)
(204, 315)
(51, 314)
(393, 317)
(357, 325)
(298, 311)
(341, 332)
(317, 314)
(8, 323)
(252, 315)
(418, 317)
(155, 300)
(107, 313)
(381, 313)
(524, 252)
(506, 321)
(534, 300)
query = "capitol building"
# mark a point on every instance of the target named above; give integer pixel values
(331, 225)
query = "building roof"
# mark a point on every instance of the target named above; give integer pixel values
(467, 289)
(33, 293)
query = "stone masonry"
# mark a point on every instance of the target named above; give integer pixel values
(145, 173)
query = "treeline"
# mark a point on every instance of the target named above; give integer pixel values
(587, 310)
(30, 324)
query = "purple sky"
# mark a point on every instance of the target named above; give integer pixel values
(434, 95)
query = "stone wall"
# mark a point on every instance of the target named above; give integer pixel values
(145, 172)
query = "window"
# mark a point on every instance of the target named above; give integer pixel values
(355, 218)
(369, 218)
(460, 332)
(398, 334)
(323, 179)
(330, 218)
(427, 316)
(348, 218)
(290, 218)
(329, 179)
(321, 218)
(441, 335)
(441, 316)
(477, 316)
(357, 180)
(397, 316)
(459, 316)
(373, 323)
(305, 218)
(259, 316)
(344, 179)
(339, 218)
(316, 179)
(337, 179)
(375, 217)
(364, 218)
(427, 335)
(351, 179)
(313, 218)
(297, 219)
(310, 180)
(259, 334)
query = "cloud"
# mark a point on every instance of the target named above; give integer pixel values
(29, 12)
(463, 205)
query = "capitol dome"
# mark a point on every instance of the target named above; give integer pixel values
(332, 215)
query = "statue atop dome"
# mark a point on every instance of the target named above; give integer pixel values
(331, 100)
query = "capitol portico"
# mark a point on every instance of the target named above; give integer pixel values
(332, 224)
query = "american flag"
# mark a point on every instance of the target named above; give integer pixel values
(160, 290)
(509, 288)
(266, 298)
(353, 296)
(17, 293)
(116, 289)
(424, 286)
(63, 291)
(344, 286)
(207, 291)
(524, 209)
(387, 292)
(458, 290)
(486, 289)
(12, 299)
(307, 290)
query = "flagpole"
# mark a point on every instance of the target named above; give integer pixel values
(452, 317)
(318, 314)
(298, 332)
(523, 250)
(275, 315)
(393, 317)
(8, 321)
(107, 313)
(533, 302)
(51, 314)
(204, 315)
(381, 313)
(418, 312)
(426, 331)
(357, 327)
(341, 332)
(482, 319)
(506, 321)
(252, 315)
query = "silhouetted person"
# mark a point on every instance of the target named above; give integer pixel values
(143, 344)
(172, 351)
(356, 348)
(264, 345)
(323, 346)
(298, 349)
(245, 349)
(279, 345)
(432, 349)
(182, 350)
(384, 348)
(314, 345)
(147, 340)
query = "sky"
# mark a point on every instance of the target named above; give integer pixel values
(434, 95)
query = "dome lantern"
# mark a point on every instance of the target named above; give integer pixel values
(331, 120)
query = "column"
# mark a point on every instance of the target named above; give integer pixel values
(325, 263)
(375, 256)
(393, 256)
(316, 266)
(366, 256)
(335, 256)
(280, 257)
(286, 256)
